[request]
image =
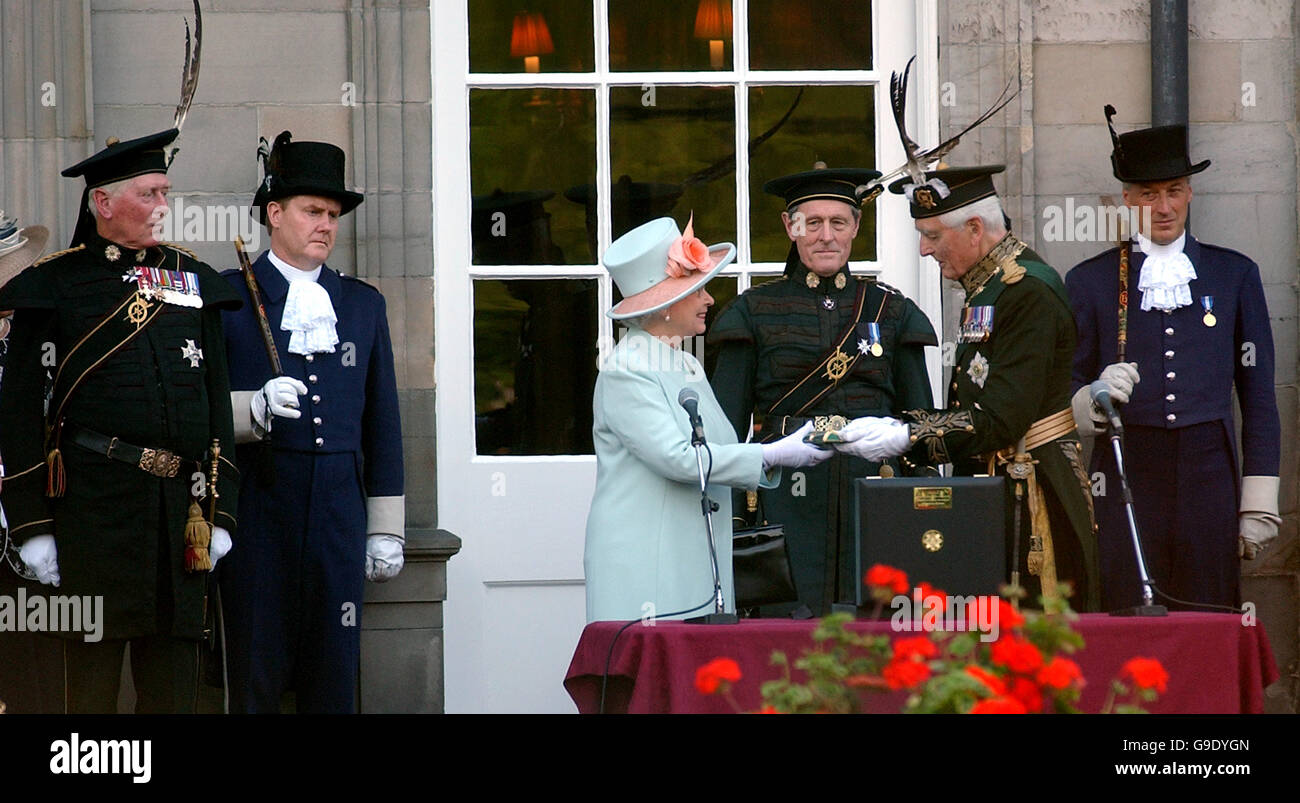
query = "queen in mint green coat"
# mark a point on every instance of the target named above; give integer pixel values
(647, 551)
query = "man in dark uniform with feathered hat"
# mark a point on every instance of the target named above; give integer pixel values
(1008, 405)
(115, 391)
(819, 344)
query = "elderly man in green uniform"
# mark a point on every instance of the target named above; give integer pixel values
(1009, 401)
(823, 345)
(115, 390)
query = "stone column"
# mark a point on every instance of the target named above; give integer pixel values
(45, 119)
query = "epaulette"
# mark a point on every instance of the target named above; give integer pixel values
(187, 252)
(1013, 272)
(58, 254)
(887, 288)
(361, 282)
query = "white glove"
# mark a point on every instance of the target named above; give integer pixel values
(875, 439)
(277, 397)
(1120, 377)
(42, 558)
(1257, 529)
(220, 544)
(383, 557)
(792, 452)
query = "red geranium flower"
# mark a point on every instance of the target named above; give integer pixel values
(905, 674)
(1147, 673)
(1016, 654)
(768, 709)
(916, 648)
(1008, 617)
(1028, 693)
(887, 577)
(1060, 673)
(928, 591)
(991, 681)
(716, 672)
(998, 705)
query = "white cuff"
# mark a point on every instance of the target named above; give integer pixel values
(386, 515)
(1259, 494)
(241, 406)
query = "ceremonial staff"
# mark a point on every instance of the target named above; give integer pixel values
(265, 463)
(255, 295)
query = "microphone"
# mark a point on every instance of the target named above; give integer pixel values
(1100, 392)
(690, 402)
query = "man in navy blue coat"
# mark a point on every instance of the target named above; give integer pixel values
(1196, 325)
(321, 503)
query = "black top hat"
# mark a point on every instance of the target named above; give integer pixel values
(303, 168)
(1150, 154)
(118, 162)
(823, 183)
(947, 189)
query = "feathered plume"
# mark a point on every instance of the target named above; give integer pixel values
(189, 74)
(1109, 111)
(918, 161)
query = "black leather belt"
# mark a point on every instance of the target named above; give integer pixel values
(158, 462)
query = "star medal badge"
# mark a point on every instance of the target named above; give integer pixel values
(1207, 303)
(871, 343)
(978, 370)
(191, 351)
(180, 287)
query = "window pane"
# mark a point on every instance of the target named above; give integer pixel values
(527, 146)
(531, 36)
(534, 365)
(670, 35)
(809, 34)
(831, 124)
(682, 136)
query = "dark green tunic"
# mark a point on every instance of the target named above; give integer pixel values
(770, 338)
(119, 530)
(1000, 386)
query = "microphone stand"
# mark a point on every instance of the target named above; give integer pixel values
(1148, 606)
(707, 506)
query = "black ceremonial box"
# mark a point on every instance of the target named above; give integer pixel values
(947, 531)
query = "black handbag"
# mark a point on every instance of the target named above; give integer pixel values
(761, 563)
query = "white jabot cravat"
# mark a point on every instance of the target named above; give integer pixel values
(1166, 272)
(308, 313)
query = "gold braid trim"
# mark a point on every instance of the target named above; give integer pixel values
(929, 428)
(185, 251)
(58, 254)
(1003, 256)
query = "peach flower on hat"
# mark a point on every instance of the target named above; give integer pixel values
(688, 253)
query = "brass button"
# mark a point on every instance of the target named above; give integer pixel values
(320, 441)
(1170, 397)
(315, 399)
(311, 378)
(1170, 375)
(1171, 418)
(316, 421)
(1169, 330)
(311, 358)
(1169, 355)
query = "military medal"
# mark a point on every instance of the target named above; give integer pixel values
(871, 343)
(180, 287)
(976, 324)
(191, 351)
(1207, 302)
(978, 370)
(139, 309)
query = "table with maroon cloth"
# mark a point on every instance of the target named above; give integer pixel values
(1216, 664)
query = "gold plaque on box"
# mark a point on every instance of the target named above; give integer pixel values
(932, 498)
